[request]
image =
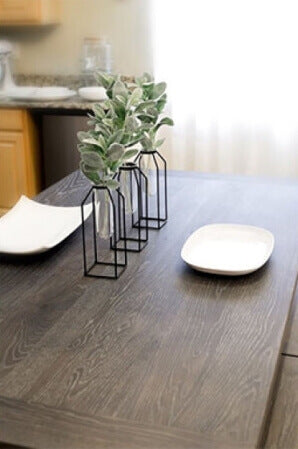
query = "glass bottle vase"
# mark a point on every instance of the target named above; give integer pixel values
(104, 216)
(155, 167)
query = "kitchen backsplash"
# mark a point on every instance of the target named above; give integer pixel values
(70, 81)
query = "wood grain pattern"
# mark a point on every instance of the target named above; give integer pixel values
(32, 155)
(163, 346)
(291, 344)
(11, 120)
(20, 167)
(57, 428)
(29, 12)
(51, 11)
(20, 11)
(13, 180)
(283, 431)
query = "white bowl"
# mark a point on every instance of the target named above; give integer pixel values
(228, 249)
(93, 93)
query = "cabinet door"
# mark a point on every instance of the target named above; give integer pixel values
(12, 168)
(20, 11)
(11, 119)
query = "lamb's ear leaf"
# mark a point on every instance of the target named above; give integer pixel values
(91, 141)
(121, 99)
(112, 184)
(82, 135)
(82, 147)
(115, 151)
(119, 88)
(145, 78)
(117, 136)
(166, 121)
(93, 176)
(104, 130)
(147, 118)
(146, 142)
(115, 165)
(104, 79)
(159, 143)
(132, 124)
(160, 105)
(158, 90)
(148, 90)
(99, 111)
(85, 168)
(135, 97)
(130, 154)
(102, 142)
(144, 105)
(130, 140)
(148, 77)
(93, 160)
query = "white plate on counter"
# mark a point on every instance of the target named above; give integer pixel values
(31, 228)
(93, 93)
(34, 93)
(228, 249)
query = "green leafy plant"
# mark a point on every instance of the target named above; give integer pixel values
(131, 115)
(148, 103)
(115, 129)
(149, 111)
(101, 157)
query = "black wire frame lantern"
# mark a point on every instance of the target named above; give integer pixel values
(159, 207)
(107, 269)
(136, 238)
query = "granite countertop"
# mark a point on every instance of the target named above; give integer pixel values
(72, 103)
(71, 81)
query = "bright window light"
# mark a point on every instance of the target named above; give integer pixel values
(232, 72)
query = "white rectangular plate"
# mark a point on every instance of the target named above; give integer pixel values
(30, 227)
(32, 93)
(228, 249)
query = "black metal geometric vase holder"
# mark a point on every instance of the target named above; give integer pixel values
(102, 255)
(154, 166)
(134, 188)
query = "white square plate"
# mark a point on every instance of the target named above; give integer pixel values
(228, 249)
(30, 227)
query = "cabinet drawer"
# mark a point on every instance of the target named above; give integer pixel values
(11, 119)
(20, 11)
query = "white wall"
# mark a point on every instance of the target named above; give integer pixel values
(57, 50)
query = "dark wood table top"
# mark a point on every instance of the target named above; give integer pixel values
(164, 357)
(291, 339)
(283, 430)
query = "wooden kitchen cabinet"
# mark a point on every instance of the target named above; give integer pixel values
(19, 157)
(29, 12)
